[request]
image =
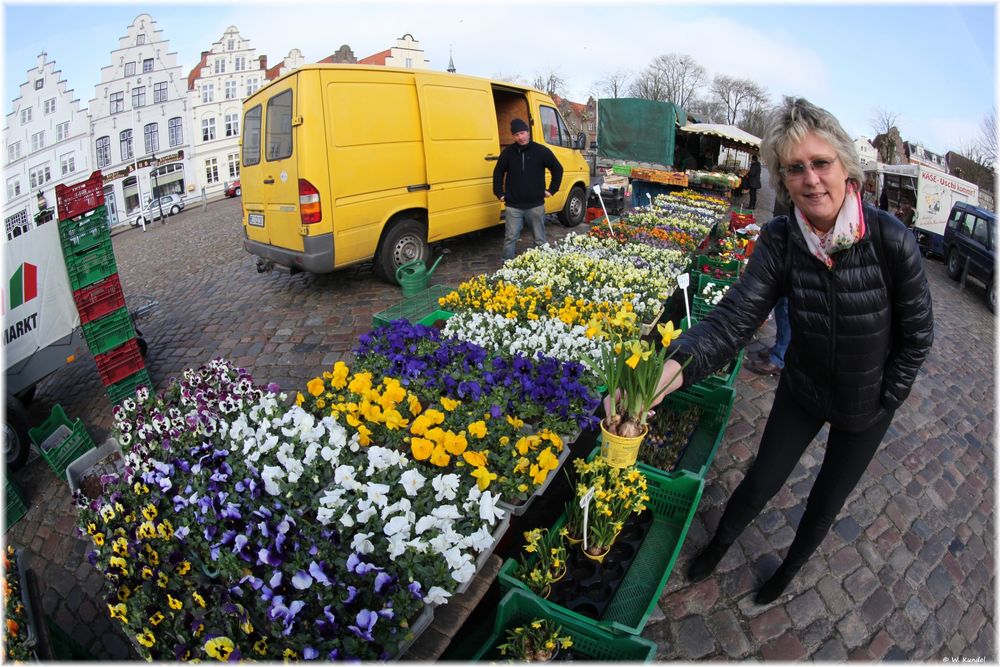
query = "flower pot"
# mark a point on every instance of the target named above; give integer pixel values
(600, 558)
(560, 575)
(620, 452)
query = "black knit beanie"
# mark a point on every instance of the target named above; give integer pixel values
(518, 125)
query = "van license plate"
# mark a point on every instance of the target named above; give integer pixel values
(255, 219)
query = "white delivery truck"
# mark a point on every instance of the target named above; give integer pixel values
(41, 327)
(930, 191)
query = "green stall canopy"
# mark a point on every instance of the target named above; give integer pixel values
(638, 130)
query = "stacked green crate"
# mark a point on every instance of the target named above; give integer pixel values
(85, 235)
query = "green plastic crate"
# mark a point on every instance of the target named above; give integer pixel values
(434, 317)
(73, 445)
(108, 332)
(730, 267)
(621, 169)
(414, 308)
(84, 232)
(518, 608)
(674, 499)
(716, 404)
(123, 389)
(16, 507)
(87, 267)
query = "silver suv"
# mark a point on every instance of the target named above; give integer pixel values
(169, 204)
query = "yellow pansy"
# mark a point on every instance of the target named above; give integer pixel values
(421, 448)
(439, 456)
(478, 429)
(449, 404)
(548, 460)
(476, 459)
(364, 436)
(483, 477)
(146, 638)
(455, 444)
(173, 602)
(414, 405)
(219, 648)
(340, 373)
(299, 398)
(316, 386)
(119, 611)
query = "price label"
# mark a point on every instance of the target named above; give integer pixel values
(587, 497)
(585, 504)
(683, 280)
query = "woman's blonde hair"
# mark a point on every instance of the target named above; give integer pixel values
(788, 124)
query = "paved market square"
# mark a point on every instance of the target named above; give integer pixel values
(907, 573)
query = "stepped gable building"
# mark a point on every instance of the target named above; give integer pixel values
(343, 55)
(293, 60)
(227, 74)
(47, 139)
(407, 53)
(141, 122)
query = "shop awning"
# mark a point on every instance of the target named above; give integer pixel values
(729, 134)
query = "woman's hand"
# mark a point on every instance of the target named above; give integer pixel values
(672, 378)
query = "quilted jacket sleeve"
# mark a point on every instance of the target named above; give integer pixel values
(912, 315)
(729, 326)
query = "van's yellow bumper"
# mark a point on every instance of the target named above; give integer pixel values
(316, 256)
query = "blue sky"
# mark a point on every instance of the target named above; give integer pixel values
(933, 65)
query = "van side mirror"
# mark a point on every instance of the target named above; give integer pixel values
(581, 141)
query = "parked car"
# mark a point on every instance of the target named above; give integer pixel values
(169, 204)
(233, 189)
(969, 244)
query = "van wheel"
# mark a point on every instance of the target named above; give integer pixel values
(575, 209)
(954, 264)
(405, 242)
(16, 444)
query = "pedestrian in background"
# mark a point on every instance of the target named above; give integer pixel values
(753, 180)
(519, 182)
(861, 320)
(771, 360)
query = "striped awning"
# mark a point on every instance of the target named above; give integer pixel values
(729, 133)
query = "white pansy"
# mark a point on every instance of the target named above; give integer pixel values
(436, 595)
(344, 475)
(488, 510)
(365, 515)
(378, 493)
(347, 520)
(397, 545)
(464, 572)
(446, 512)
(424, 524)
(361, 542)
(271, 476)
(455, 557)
(412, 481)
(481, 540)
(325, 515)
(446, 486)
(397, 524)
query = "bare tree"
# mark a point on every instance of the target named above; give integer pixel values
(884, 120)
(735, 95)
(986, 143)
(649, 85)
(754, 113)
(550, 81)
(510, 78)
(612, 84)
(706, 110)
(682, 76)
(884, 123)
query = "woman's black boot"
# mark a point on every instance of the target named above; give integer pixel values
(776, 585)
(706, 561)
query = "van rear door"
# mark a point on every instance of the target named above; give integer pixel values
(460, 146)
(269, 178)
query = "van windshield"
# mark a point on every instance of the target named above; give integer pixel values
(251, 137)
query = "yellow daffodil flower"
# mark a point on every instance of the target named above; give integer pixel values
(668, 333)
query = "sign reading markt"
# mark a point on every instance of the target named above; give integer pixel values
(142, 164)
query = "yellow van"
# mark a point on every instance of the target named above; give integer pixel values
(343, 164)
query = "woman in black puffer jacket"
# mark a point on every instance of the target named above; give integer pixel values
(861, 320)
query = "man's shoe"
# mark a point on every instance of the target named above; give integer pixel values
(763, 367)
(706, 561)
(762, 355)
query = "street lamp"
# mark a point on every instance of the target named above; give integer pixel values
(156, 189)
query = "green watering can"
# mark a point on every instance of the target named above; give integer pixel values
(413, 276)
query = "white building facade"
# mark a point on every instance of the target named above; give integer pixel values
(141, 123)
(866, 151)
(47, 142)
(226, 75)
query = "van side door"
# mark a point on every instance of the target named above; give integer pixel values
(979, 247)
(460, 146)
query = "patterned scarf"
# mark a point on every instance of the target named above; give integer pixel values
(848, 230)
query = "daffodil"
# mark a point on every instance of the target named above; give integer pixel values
(668, 333)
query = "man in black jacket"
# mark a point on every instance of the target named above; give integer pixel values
(523, 190)
(753, 180)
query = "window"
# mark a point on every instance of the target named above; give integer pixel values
(39, 83)
(207, 92)
(159, 92)
(117, 103)
(279, 126)
(17, 224)
(967, 225)
(230, 89)
(39, 176)
(241, 63)
(62, 131)
(13, 151)
(175, 132)
(147, 65)
(37, 141)
(13, 187)
(140, 40)
(234, 165)
(230, 44)
(554, 130)
(208, 129)
(103, 152)
(232, 124)
(130, 69)
(251, 86)
(212, 170)
(251, 137)
(151, 133)
(67, 164)
(49, 106)
(139, 96)
(125, 144)
(981, 232)
(220, 65)
(409, 62)
(25, 116)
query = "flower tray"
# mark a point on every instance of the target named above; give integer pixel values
(99, 299)
(435, 317)
(60, 440)
(589, 585)
(72, 200)
(729, 267)
(103, 460)
(413, 308)
(520, 508)
(647, 327)
(590, 643)
(673, 501)
(84, 232)
(481, 559)
(716, 404)
(421, 623)
(16, 507)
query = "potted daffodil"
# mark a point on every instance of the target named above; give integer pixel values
(631, 370)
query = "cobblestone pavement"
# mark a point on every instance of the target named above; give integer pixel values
(907, 572)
